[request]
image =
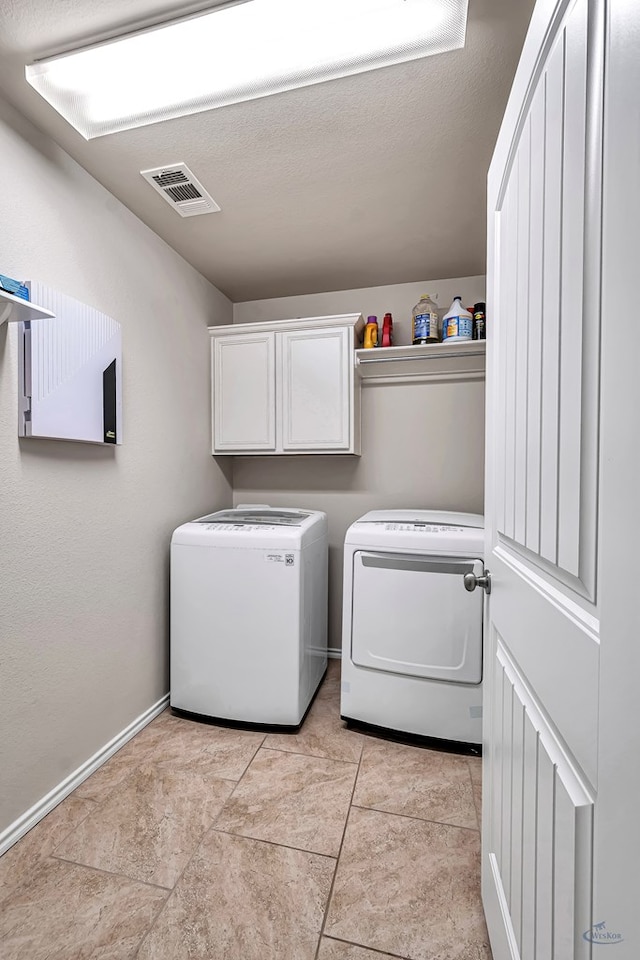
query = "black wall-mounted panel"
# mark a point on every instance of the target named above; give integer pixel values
(109, 403)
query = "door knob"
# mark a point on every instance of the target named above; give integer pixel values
(471, 581)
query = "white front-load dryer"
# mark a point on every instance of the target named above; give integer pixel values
(412, 633)
(249, 614)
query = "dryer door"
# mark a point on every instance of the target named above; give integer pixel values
(412, 615)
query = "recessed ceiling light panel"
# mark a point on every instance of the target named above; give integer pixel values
(237, 52)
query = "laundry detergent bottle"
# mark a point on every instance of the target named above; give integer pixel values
(457, 325)
(387, 330)
(371, 333)
(425, 321)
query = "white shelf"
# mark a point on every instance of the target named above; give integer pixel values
(15, 309)
(464, 360)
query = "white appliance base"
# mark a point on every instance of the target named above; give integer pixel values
(292, 727)
(417, 706)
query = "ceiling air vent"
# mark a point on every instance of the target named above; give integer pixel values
(181, 190)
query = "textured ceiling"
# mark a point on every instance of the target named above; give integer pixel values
(368, 180)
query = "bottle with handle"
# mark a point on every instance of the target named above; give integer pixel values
(371, 333)
(457, 325)
(425, 321)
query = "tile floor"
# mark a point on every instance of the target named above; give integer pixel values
(197, 842)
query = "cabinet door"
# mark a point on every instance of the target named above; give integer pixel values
(244, 393)
(316, 377)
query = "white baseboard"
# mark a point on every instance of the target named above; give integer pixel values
(23, 824)
(334, 653)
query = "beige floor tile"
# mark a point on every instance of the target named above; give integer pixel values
(409, 887)
(291, 799)
(227, 752)
(323, 734)
(333, 666)
(231, 751)
(416, 782)
(338, 950)
(121, 765)
(19, 863)
(149, 828)
(69, 912)
(475, 768)
(330, 686)
(240, 899)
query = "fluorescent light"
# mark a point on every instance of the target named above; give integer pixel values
(238, 52)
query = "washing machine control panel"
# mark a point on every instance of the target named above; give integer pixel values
(240, 527)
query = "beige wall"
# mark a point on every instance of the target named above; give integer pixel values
(84, 530)
(398, 299)
(422, 443)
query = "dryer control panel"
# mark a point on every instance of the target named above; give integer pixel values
(419, 527)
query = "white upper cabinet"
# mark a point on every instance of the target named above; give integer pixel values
(287, 386)
(244, 393)
(317, 383)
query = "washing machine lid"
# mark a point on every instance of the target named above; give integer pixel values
(259, 526)
(257, 517)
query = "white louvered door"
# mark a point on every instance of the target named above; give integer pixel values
(542, 669)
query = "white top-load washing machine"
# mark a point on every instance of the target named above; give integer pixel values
(249, 614)
(412, 633)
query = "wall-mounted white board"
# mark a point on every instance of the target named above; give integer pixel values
(70, 376)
